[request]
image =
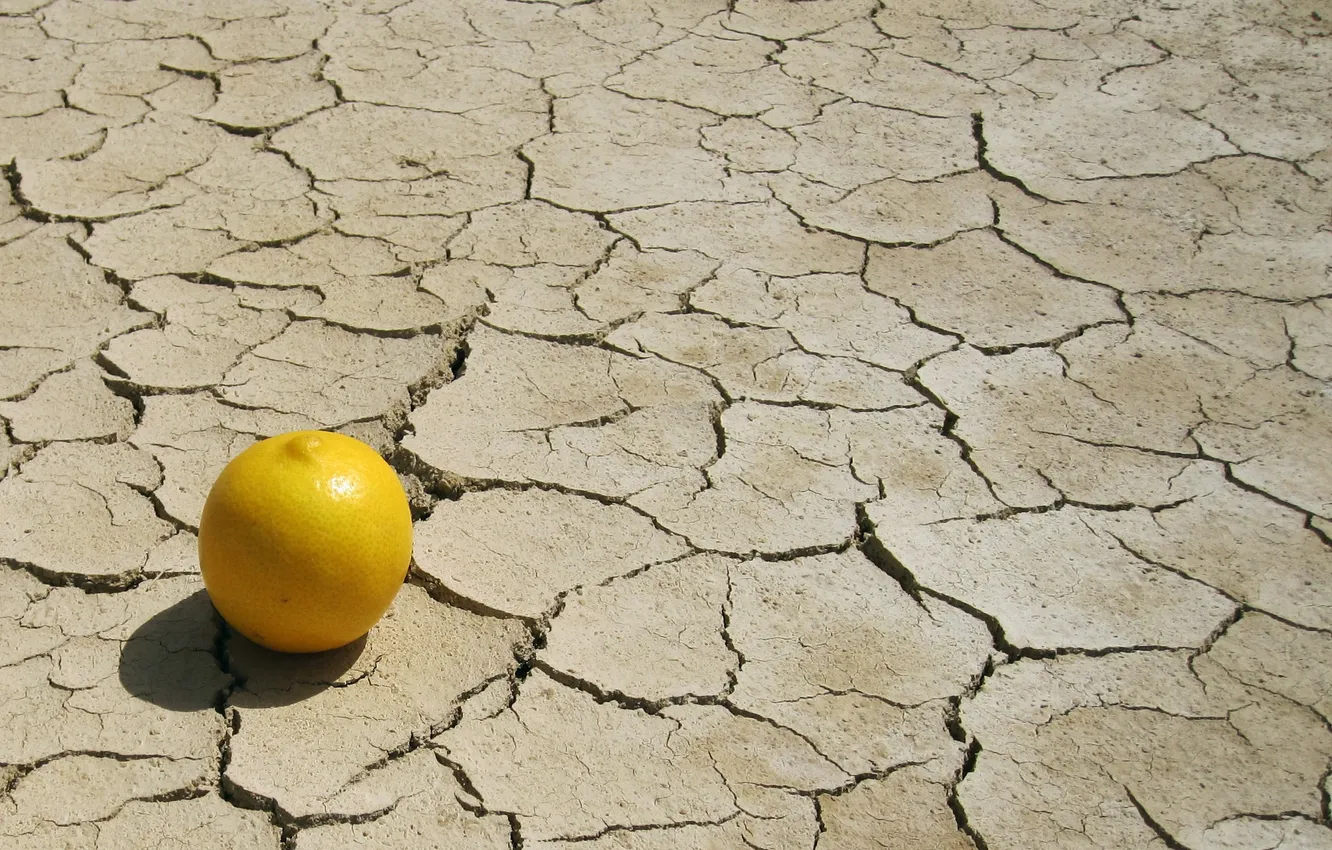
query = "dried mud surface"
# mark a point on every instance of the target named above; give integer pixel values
(830, 424)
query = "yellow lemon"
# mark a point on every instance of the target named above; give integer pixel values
(305, 540)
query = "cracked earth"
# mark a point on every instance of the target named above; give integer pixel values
(829, 424)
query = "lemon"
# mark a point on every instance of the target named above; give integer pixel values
(305, 540)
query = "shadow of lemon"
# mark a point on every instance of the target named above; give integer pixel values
(185, 658)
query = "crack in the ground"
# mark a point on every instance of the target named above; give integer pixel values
(955, 805)
(90, 584)
(982, 148)
(1166, 838)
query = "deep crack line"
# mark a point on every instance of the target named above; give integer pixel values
(954, 798)
(1166, 838)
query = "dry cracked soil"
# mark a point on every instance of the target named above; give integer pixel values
(831, 424)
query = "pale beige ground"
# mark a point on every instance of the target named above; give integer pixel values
(836, 423)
